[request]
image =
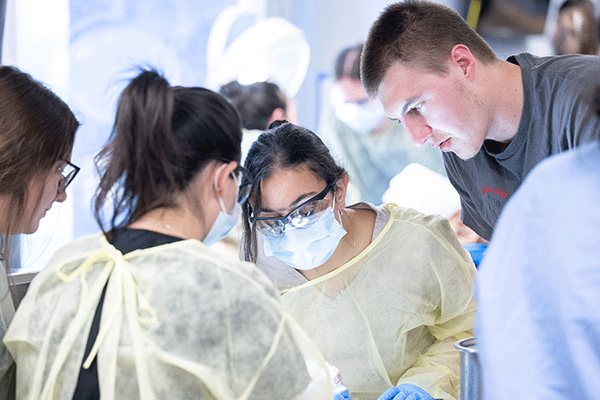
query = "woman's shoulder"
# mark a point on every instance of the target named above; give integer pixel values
(195, 256)
(78, 249)
(398, 227)
(189, 258)
(402, 217)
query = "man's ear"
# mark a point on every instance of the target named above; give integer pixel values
(461, 56)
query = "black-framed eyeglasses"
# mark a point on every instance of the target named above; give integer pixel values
(244, 181)
(302, 216)
(69, 171)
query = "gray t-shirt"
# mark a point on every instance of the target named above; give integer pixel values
(557, 116)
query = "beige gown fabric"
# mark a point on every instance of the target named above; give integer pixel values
(178, 322)
(393, 313)
(7, 311)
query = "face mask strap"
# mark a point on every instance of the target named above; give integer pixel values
(216, 186)
(340, 214)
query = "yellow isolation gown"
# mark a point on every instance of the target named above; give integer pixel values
(392, 314)
(178, 322)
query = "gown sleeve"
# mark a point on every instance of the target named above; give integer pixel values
(437, 371)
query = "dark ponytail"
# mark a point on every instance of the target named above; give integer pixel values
(162, 136)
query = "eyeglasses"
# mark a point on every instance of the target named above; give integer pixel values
(244, 181)
(302, 216)
(69, 171)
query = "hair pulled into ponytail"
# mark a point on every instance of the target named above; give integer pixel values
(162, 136)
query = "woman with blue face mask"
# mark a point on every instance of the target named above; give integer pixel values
(384, 292)
(146, 309)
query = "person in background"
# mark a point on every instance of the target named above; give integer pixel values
(145, 309)
(371, 147)
(37, 132)
(538, 327)
(428, 192)
(258, 104)
(383, 291)
(493, 120)
(576, 28)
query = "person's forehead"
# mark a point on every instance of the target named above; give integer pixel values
(285, 186)
(352, 88)
(402, 83)
(569, 16)
(399, 83)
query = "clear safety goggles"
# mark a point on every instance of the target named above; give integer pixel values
(302, 216)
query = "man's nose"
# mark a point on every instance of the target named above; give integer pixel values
(418, 131)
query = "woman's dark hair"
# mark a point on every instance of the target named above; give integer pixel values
(37, 129)
(585, 33)
(347, 64)
(255, 102)
(162, 136)
(283, 145)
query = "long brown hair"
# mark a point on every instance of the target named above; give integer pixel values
(162, 136)
(37, 129)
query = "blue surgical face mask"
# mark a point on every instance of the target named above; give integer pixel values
(224, 222)
(307, 248)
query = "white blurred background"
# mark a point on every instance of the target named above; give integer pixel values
(85, 50)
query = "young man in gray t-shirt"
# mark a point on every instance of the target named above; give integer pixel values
(493, 119)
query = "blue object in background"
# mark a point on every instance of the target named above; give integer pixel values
(476, 250)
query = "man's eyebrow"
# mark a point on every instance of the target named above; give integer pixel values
(408, 104)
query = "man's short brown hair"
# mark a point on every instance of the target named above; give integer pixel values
(418, 33)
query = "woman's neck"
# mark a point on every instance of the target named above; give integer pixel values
(178, 222)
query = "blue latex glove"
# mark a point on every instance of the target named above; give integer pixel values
(405, 391)
(341, 395)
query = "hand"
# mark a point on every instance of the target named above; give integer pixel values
(405, 391)
(343, 394)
